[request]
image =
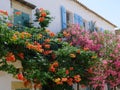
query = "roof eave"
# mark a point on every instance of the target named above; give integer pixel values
(32, 6)
(94, 13)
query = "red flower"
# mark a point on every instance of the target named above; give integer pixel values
(47, 40)
(77, 78)
(47, 46)
(55, 64)
(52, 34)
(70, 81)
(10, 57)
(52, 69)
(21, 55)
(43, 14)
(67, 72)
(20, 76)
(41, 19)
(71, 68)
(9, 24)
(64, 79)
(90, 70)
(86, 49)
(47, 52)
(18, 13)
(27, 83)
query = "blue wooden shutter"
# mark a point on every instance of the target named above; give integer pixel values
(63, 17)
(17, 18)
(25, 19)
(101, 30)
(80, 21)
(75, 19)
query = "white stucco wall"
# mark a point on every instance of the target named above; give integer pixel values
(54, 7)
(5, 81)
(5, 5)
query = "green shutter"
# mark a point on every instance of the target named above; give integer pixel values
(17, 18)
(25, 19)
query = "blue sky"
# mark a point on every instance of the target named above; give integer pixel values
(109, 9)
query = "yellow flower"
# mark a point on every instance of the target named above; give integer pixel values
(57, 80)
(72, 55)
(47, 30)
(14, 37)
(25, 35)
(93, 57)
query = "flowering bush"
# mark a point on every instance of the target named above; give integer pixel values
(106, 45)
(78, 37)
(43, 17)
(46, 60)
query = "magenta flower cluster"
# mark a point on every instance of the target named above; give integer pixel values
(107, 46)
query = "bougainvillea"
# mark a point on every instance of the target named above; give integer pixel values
(106, 45)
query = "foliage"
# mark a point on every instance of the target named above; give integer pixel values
(59, 60)
(47, 61)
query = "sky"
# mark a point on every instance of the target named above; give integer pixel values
(109, 9)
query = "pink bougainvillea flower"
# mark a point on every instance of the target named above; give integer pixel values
(104, 62)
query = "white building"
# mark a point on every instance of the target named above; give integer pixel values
(64, 11)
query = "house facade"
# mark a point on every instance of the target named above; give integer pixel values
(72, 11)
(65, 12)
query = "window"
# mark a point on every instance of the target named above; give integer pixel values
(26, 12)
(78, 19)
(18, 85)
(69, 18)
(22, 19)
(85, 24)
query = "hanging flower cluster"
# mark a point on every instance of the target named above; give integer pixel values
(43, 17)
